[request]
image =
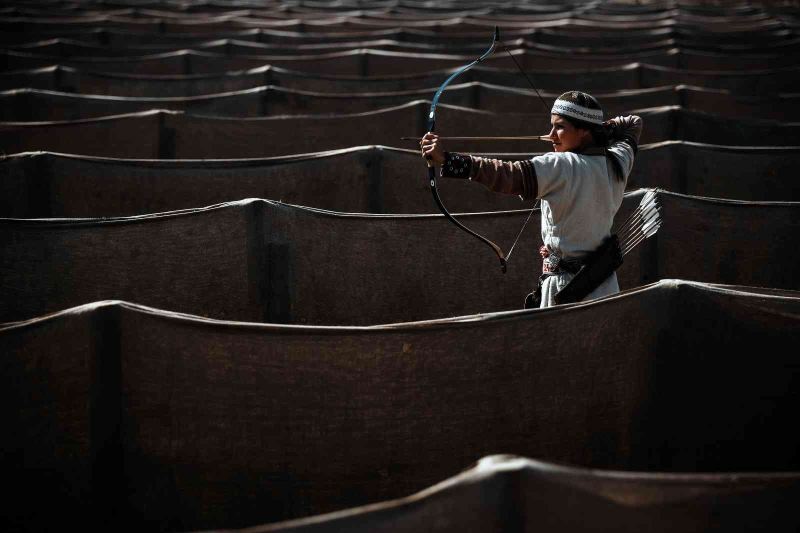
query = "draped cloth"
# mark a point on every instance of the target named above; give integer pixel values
(146, 419)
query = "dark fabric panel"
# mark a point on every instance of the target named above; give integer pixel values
(739, 104)
(704, 127)
(35, 105)
(376, 64)
(42, 185)
(184, 136)
(155, 64)
(48, 447)
(25, 187)
(366, 179)
(38, 105)
(223, 137)
(571, 50)
(748, 42)
(350, 63)
(739, 173)
(119, 84)
(198, 263)
(699, 60)
(212, 436)
(358, 405)
(552, 31)
(502, 493)
(201, 262)
(43, 78)
(73, 80)
(744, 82)
(199, 137)
(136, 136)
(718, 241)
(195, 262)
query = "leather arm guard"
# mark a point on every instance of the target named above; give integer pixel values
(599, 264)
(456, 165)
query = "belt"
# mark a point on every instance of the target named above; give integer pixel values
(553, 263)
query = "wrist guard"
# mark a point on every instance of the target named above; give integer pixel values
(456, 165)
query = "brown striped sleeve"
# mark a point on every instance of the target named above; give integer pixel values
(507, 177)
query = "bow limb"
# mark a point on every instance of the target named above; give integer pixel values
(435, 191)
(431, 167)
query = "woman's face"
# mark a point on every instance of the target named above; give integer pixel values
(566, 137)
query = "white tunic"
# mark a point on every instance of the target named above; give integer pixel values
(580, 196)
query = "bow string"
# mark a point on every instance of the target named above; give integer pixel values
(503, 257)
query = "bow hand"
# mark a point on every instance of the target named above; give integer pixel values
(432, 149)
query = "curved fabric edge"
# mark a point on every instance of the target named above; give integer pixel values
(250, 161)
(457, 321)
(325, 212)
(375, 112)
(621, 488)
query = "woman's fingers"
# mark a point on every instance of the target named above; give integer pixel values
(431, 148)
(428, 139)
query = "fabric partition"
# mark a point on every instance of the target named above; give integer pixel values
(739, 104)
(382, 57)
(347, 63)
(666, 52)
(119, 38)
(135, 135)
(36, 105)
(172, 134)
(44, 105)
(747, 173)
(228, 301)
(764, 81)
(70, 79)
(714, 61)
(78, 47)
(629, 76)
(749, 41)
(195, 136)
(707, 240)
(360, 180)
(715, 42)
(506, 492)
(199, 261)
(260, 260)
(176, 422)
(367, 179)
(164, 64)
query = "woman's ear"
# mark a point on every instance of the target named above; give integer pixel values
(586, 137)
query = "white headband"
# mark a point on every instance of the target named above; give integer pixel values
(571, 109)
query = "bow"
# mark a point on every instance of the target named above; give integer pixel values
(503, 257)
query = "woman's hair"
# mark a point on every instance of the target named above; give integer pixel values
(598, 132)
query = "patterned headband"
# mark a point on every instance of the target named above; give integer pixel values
(571, 109)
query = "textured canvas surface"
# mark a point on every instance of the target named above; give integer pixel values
(178, 422)
(175, 134)
(259, 260)
(366, 179)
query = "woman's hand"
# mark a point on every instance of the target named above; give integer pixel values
(611, 128)
(432, 149)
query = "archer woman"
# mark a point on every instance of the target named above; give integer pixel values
(580, 184)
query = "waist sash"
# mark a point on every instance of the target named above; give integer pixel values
(596, 268)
